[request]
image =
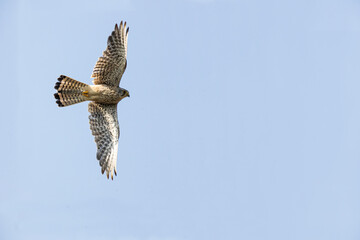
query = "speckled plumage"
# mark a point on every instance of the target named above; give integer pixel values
(104, 96)
(104, 126)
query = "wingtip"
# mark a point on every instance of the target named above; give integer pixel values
(109, 39)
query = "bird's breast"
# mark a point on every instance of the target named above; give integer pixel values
(104, 94)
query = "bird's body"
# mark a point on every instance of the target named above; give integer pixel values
(104, 96)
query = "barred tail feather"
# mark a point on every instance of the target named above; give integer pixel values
(69, 91)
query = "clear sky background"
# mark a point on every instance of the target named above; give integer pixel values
(243, 121)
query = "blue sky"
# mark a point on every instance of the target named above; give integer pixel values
(243, 121)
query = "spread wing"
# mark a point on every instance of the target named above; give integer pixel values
(104, 126)
(111, 66)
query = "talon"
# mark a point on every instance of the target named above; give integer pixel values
(85, 93)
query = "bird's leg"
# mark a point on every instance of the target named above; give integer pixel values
(85, 93)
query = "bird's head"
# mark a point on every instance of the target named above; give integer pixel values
(124, 93)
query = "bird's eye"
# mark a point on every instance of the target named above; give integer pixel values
(123, 93)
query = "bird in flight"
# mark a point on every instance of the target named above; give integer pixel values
(104, 96)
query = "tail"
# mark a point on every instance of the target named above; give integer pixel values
(69, 91)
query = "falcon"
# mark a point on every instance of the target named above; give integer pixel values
(104, 96)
